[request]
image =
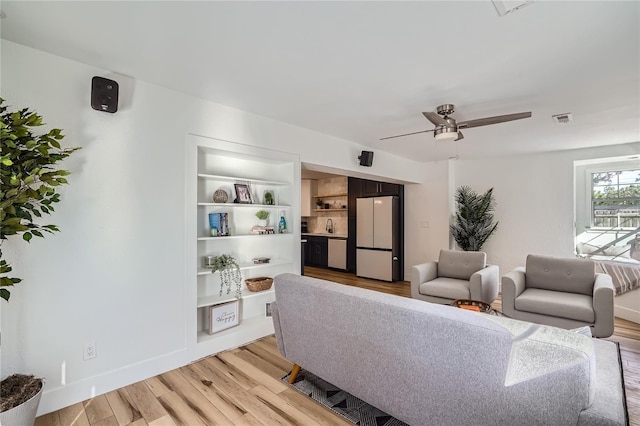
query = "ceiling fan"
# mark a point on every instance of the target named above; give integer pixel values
(448, 129)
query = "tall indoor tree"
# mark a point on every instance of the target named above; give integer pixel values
(473, 223)
(28, 180)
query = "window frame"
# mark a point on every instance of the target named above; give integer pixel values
(589, 189)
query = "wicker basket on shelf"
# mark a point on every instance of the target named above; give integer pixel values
(259, 284)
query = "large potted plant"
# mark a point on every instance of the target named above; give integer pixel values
(28, 182)
(473, 222)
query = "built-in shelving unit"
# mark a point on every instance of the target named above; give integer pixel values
(335, 198)
(217, 165)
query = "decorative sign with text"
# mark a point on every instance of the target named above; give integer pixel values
(223, 316)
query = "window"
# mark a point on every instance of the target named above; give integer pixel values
(615, 199)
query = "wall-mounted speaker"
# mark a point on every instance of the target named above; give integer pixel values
(104, 94)
(366, 158)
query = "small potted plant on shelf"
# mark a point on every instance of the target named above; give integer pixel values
(28, 182)
(319, 203)
(268, 198)
(229, 273)
(262, 216)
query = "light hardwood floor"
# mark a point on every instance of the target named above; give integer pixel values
(243, 387)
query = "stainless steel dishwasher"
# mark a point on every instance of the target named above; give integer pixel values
(337, 253)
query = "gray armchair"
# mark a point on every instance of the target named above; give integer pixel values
(565, 293)
(456, 275)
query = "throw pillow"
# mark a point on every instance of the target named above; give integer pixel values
(618, 251)
(586, 248)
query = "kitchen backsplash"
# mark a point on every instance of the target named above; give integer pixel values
(317, 224)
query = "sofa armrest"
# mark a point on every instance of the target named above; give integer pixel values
(513, 284)
(603, 292)
(277, 328)
(484, 284)
(421, 274)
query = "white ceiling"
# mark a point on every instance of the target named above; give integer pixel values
(365, 70)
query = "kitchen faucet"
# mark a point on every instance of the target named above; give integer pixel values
(329, 226)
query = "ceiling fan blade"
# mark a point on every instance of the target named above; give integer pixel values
(493, 120)
(435, 119)
(406, 134)
(460, 136)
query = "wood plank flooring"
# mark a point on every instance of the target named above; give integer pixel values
(243, 387)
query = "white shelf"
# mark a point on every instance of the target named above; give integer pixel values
(241, 179)
(250, 265)
(262, 206)
(261, 326)
(231, 237)
(214, 299)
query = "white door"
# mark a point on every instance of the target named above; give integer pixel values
(364, 222)
(337, 257)
(375, 264)
(383, 222)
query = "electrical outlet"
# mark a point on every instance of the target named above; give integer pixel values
(90, 351)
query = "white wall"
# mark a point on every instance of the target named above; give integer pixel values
(115, 272)
(427, 216)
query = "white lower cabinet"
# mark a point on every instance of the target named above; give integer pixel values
(337, 253)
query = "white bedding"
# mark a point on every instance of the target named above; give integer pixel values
(624, 272)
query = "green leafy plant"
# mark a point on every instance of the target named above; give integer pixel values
(268, 198)
(28, 180)
(262, 214)
(473, 223)
(229, 273)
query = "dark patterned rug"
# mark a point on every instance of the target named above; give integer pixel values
(342, 403)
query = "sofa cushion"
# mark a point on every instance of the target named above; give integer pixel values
(569, 275)
(460, 264)
(448, 288)
(557, 304)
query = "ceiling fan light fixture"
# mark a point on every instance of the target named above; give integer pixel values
(445, 134)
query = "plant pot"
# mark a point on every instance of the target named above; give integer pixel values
(262, 222)
(23, 414)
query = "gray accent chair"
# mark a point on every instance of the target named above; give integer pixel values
(456, 275)
(562, 292)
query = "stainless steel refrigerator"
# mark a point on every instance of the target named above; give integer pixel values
(377, 241)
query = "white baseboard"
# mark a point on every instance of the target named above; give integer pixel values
(64, 396)
(626, 313)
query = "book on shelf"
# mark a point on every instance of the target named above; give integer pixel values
(262, 230)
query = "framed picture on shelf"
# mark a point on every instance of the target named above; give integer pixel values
(223, 316)
(243, 195)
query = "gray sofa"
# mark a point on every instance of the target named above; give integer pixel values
(563, 292)
(425, 363)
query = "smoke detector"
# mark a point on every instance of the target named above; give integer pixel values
(563, 118)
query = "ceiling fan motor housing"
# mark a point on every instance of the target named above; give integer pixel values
(445, 110)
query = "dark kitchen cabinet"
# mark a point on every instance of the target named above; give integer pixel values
(317, 251)
(372, 188)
